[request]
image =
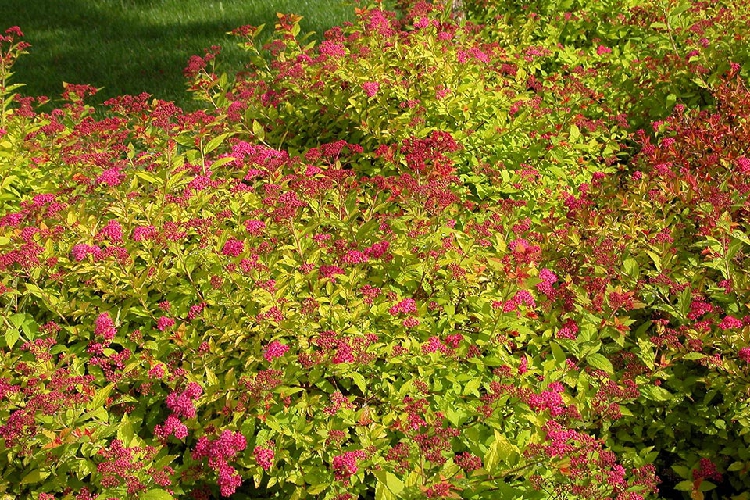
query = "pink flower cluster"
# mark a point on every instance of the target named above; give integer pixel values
(111, 177)
(522, 297)
(164, 322)
(145, 233)
(569, 330)
(254, 227)
(355, 257)
(548, 279)
(112, 232)
(182, 404)
(371, 88)
(468, 461)
(377, 250)
(275, 350)
(105, 327)
(345, 465)
(172, 425)
(548, 400)
(219, 452)
(406, 306)
(706, 469)
(81, 251)
(232, 247)
(730, 323)
(264, 457)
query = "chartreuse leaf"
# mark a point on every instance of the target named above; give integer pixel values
(389, 484)
(156, 494)
(34, 476)
(125, 431)
(499, 451)
(655, 393)
(11, 336)
(600, 362)
(557, 353)
(100, 397)
(686, 485)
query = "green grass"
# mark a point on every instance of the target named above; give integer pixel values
(134, 46)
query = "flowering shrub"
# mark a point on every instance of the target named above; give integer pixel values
(415, 261)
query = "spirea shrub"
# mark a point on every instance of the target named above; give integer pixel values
(413, 261)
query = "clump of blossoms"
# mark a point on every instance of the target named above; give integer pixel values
(219, 452)
(345, 465)
(264, 457)
(181, 406)
(275, 350)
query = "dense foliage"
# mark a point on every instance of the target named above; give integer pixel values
(501, 258)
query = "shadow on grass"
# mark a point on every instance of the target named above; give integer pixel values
(134, 46)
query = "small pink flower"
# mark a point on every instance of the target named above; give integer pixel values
(156, 372)
(112, 232)
(79, 252)
(422, 22)
(332, 49)
(193, 390)
(275, 350)
(371, 88)
(601, 50)
(355, 257)
(730, 323)
(744, 354)
(569, 330)
(105, 327)
(264, 457)
(164, 322)
(345, 465)
(311, 170)
(144, 233)
(344, 354)
(232, 247)
(406, 306)
(255, 227)
(111, 177)
(411, 322)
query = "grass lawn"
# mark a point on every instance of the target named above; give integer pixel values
(132, 46)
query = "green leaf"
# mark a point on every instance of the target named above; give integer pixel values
(382, 493)
(214, 143)
(655, 393)
(100, 397)
(125, 431)
(575, 133)
(258, 130)
(694, 355)
(706, 486)
(656, 259)
(686, 485)
(34, 477)
(631, 268)
(360, 381)
(682, 471)
(11, 336)
(222, 161)
(498, 452)
(157, 494)
(558, 353)
(647, 353)
(600, 362)
(392, 483)
(472, 386)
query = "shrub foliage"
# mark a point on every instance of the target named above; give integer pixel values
(504, 257)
